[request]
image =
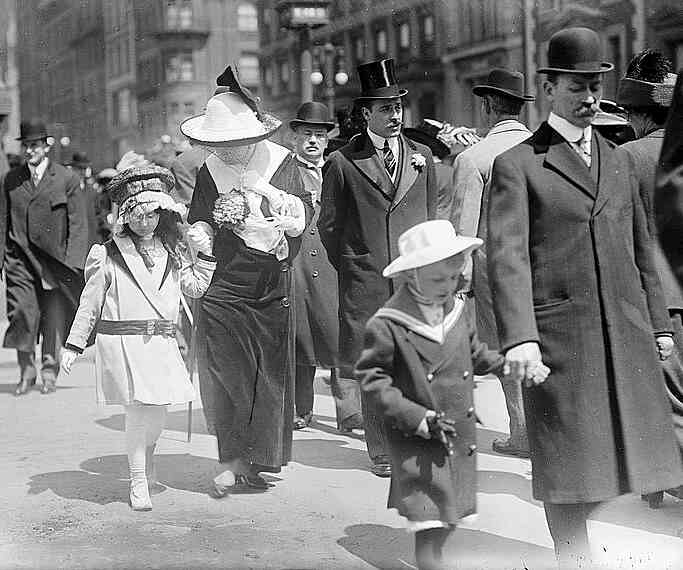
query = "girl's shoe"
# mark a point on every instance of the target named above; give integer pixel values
(139, 495)
(222, 484)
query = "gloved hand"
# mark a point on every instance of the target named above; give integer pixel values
(253, 181)
(200, 237)
(67, 359)
(442, 429)
(665, 346)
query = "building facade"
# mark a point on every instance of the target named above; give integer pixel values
(113, 75)
(9, 89)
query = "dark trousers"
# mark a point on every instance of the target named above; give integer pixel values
(303, 389)
(567, 525)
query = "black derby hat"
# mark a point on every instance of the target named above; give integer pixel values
(505, 82)
(33, 130)
(575, 50)
(378, 80)
(80, 160)
(314, 114)
(425, 133)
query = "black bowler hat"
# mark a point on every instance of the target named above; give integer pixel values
(575, 50)
(505, 82)
(33, 130)
(314, 114)
(378, 80)
(425, 133)
(80, 160)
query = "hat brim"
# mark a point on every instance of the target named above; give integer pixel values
(369, 97)
(427, 256)
(604, 68)
(437, 147)
(294, 123)
(33, 138)
(481, 90)
(192, 129)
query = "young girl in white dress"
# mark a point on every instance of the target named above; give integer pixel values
(131, 301)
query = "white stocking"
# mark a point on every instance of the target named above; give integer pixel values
(143, 427)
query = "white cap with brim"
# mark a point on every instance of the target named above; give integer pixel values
(427, 243)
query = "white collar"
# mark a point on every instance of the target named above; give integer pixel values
(378, 142)
(40, 169)
(309, 164)
(567, 130)
(507, 125)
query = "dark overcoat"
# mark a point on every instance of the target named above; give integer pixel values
(316, 296)
(47, 233)
(571, 267)
(362, 215)
(407, 373)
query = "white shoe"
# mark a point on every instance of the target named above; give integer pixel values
(139, 495)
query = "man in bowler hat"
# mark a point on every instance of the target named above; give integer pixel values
(374, 188)
(315, 280)
(502, 100)
(575, 287)
(44, 248)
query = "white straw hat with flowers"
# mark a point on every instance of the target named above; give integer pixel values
(232, 118)
(427, 243)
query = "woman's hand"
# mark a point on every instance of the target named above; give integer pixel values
(253, 181)
(67, 360)
(200, 237)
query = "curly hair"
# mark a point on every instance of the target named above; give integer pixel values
(169, 230)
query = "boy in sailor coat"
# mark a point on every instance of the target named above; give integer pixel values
(421, 353)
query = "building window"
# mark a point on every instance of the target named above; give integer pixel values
(247, 19)
(121, 108)
(268, 76)
(381, 42)
(179, 14)
(284, 73)
(404, 36)
(248, 69)
(428, 28)
(179, 67)
(358, 49)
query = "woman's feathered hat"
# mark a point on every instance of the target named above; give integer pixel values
(648, 81)
(233, 116)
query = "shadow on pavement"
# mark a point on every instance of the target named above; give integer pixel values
(10, 388)
(466, 549)
(329, 454)
(175, 421)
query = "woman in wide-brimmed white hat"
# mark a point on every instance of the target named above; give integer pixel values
(251, 193)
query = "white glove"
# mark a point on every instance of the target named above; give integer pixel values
(200, 237)
(253, 181)
(131, 159)
(523, 363)
(67, 359)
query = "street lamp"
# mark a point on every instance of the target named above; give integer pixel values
(302, 16)
(333, 64)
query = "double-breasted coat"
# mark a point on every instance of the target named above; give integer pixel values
(407, 372)
(47, 238)
(316, 290)
(136, 367)
(571, 267)
(362, 215)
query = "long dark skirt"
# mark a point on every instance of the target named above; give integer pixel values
(248, 357)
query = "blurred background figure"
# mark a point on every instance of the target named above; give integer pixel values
(80, 164)
(103, 204)
(612, 123)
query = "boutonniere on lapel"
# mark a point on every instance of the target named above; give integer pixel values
(231, 209)
(418, 161)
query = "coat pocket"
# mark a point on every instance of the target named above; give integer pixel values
(57, 200)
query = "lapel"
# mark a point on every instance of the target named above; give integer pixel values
(606, 162)
(407, 174)
(365, 158)
(26, 183)
(563, 159)
(142, 277)
(45, 182)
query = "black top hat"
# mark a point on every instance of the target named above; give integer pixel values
(378, 80)
(314, 114)
(575, 50)
(425, 133)
(506, 82)
(80, 160)
(33, 130)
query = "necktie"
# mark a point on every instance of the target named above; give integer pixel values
(584, 151)
(389, 159)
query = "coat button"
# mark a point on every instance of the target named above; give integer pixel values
(314, 252)
(315, 274)
(470, 412)
(313, 230)
(284, 268)
(285, 302)
(430, 376)
(465, 374)
(471, 448)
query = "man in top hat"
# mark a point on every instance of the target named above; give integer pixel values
(575, 287)
(374, 188)
(315, 280)
(46, 245)
(502, 100)
(646, 93)
(427, 133)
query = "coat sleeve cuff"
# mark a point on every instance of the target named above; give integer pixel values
(73, 347)
(201, 255)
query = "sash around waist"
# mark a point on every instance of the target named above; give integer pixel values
(151, 327)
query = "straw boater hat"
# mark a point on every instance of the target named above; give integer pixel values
(575, 50)
(634, 91)
(427, 243)
(232, 118)
(504, 82)
(146, 187)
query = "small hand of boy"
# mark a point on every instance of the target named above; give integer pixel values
(67, 360)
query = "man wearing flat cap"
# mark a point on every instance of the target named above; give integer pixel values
(47, 241)
(315, 279)
(575, 287)
(374, 188)
(502, 100)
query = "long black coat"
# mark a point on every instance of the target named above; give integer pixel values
(406, 374)
(362, 215)
(571, 267)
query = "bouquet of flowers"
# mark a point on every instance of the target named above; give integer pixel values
(231, 209)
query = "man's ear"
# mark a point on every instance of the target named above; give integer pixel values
(365, 112)
(549, 89)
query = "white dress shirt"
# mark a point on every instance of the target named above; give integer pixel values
(578, 138)
(38, 171)
(378, 143)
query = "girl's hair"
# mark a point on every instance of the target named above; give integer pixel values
(168, 230)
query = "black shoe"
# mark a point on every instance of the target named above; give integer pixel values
(507, 447)
(381, 466)
(24, 386)
(301, 422)
(49, 381)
